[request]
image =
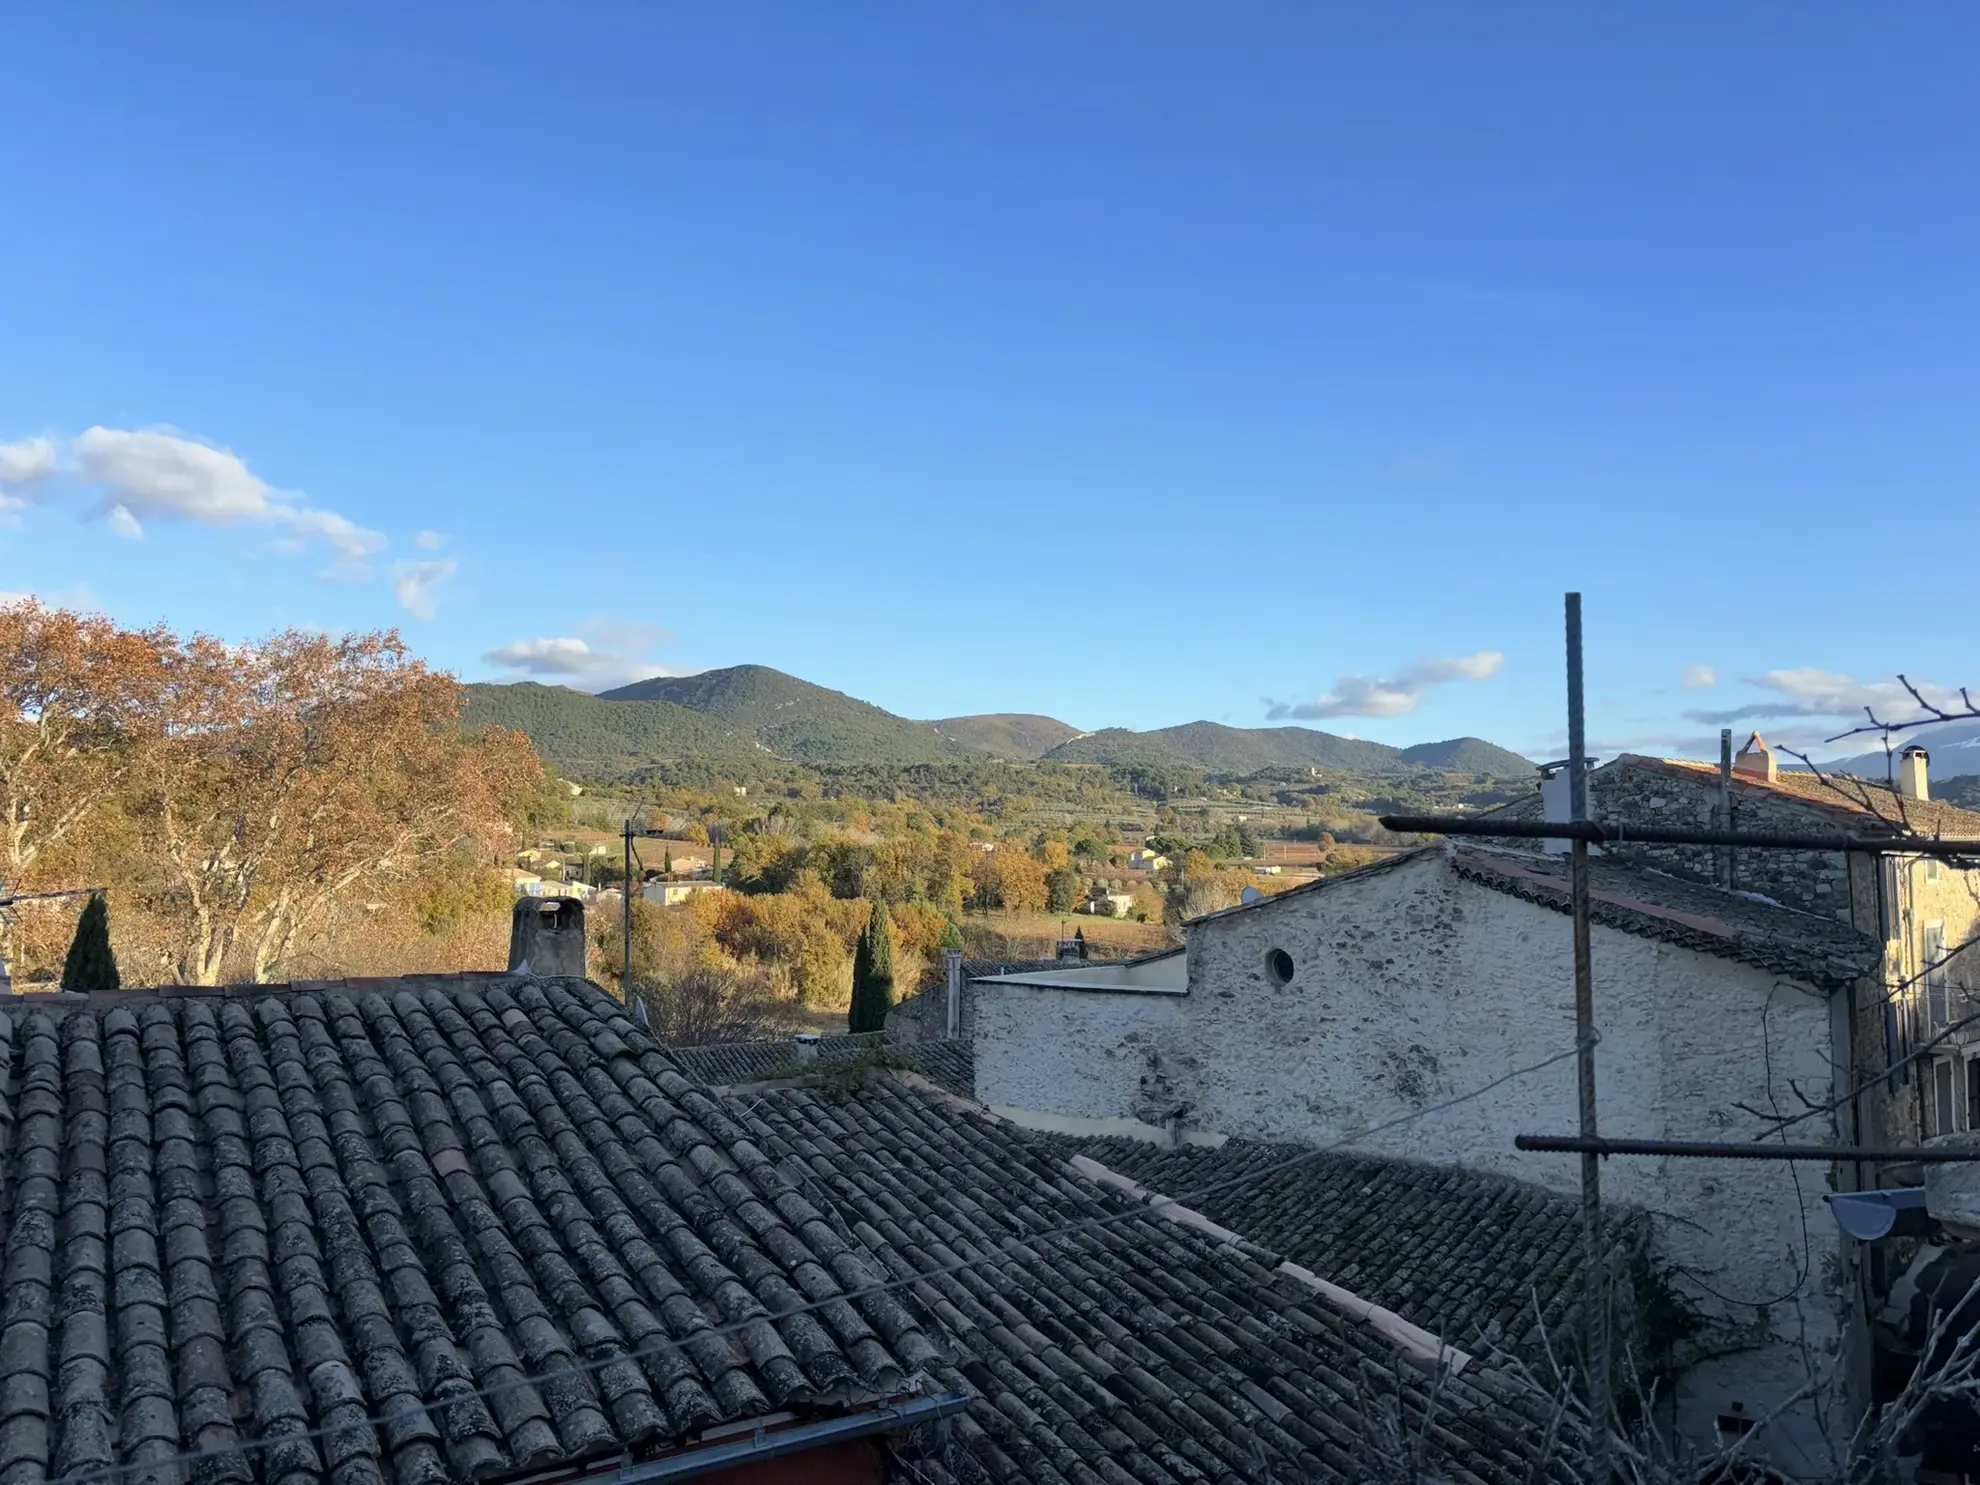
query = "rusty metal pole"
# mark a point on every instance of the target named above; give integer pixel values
(625, 920)
(1594, 1274)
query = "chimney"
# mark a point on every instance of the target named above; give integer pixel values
(1756, 760)
(1914, 773)
(952, 973)
(805, 1046)
(546, 934)
(1557, 800)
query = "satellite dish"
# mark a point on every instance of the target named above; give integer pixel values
(1250, 895)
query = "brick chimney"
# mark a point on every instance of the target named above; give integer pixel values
(1756, 760)
(1914, 773)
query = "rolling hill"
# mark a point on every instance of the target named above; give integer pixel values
(1214, 748)
(1467, 755)
(795, 719)
(749, 712)
(601, 738)
(1008, 735)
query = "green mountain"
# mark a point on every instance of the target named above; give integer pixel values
(602, 739)
(1210, 747)
(795, 719)
(751, 713)
(1007, 735)
(1468, 755)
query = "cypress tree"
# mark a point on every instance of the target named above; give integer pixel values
(873, 973)
(91, 965)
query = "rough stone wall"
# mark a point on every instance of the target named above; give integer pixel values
(1089, 1054)
(1814, 881)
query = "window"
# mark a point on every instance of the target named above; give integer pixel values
(1894, 1046)
(1931, 868)
(1279, 965)
(1938, 977)
(1973, 1094)
(1939, 1108)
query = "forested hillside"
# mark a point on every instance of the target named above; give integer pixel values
(1013, 735)
(795, 719)
(598, 738)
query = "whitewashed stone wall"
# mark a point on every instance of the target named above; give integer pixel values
(1412, 986)
(1082, 1053)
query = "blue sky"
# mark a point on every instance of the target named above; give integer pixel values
(1130, 363)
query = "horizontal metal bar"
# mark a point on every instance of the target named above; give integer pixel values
(1614, 833)
(1574, 1144)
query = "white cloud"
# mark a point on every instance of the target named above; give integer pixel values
(24, 465)
(27, 461)
(615, 654)
(430, 541)
(1388, 696)
(416, 582)
(1700, 678)
(1810, 691)
(158, 473)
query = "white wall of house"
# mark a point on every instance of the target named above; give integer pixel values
(1075, 1052)
(1412, 986)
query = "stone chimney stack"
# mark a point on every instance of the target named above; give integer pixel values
(1756, 761)
(1914, 773)
(547, 934)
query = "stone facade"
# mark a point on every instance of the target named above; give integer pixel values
(1410, 986)
(1903, 902)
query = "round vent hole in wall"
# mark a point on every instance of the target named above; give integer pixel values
(1279, 965)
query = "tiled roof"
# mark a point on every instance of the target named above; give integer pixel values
(1483, 1261)
(1130, 1350)
(724, 1064)
(1855, 800)
(387, 1235)
(235, 1218)
(1820, 950)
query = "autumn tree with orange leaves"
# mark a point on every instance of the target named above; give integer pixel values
(237, 792)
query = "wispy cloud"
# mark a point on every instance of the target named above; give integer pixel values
(430, 541)
(1393, 695)
(1700, 678)
(26, 466)
(1813, 692)
(160, 474)
(611, 652)
(415, 582)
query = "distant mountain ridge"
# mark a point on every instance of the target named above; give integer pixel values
(750, 710)
(796, 719)
(1215, 748)
(1954, 748)
(1009, 735)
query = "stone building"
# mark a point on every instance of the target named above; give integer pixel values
(1920, 909)
(1351, 1013)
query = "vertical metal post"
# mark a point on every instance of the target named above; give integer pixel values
(1726, 802)
(625, 905)
(1594, 1268)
